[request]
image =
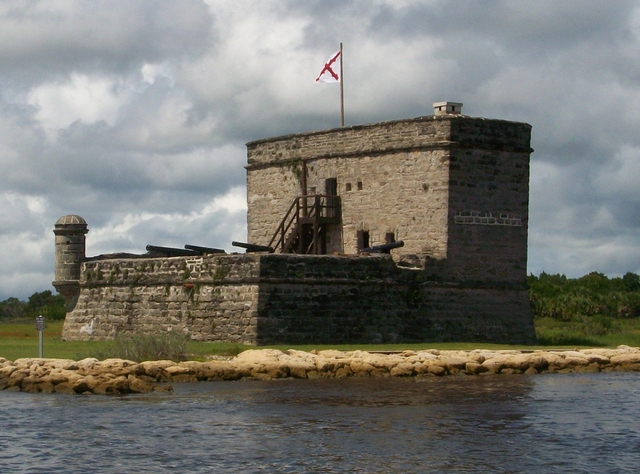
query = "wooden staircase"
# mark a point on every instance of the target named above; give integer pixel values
(303, 229)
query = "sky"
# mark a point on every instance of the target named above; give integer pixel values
(135, 115)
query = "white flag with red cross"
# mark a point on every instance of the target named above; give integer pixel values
(331, 71)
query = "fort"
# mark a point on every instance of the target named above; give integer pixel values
(402, 231)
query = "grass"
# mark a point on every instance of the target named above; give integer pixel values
(162, 346)
(19, 339)
(595, 331)
(459, 346)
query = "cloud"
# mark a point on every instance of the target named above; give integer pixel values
(134, 115)
(51, 38)
(215, 223)
(82, 98)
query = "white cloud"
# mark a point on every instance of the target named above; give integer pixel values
(89, 99)
(233, 202)
(150, 72)
(215, 223)
(135, 114)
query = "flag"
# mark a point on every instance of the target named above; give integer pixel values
(331, 71)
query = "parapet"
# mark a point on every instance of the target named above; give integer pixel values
(446, 128)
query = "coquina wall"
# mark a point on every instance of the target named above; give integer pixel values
(454, 188)
(488, 202)
(208, 298)
(392, 178)
(328, 299)
(276, 299)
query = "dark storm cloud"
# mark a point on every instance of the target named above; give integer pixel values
(135, 114)
(48, 39)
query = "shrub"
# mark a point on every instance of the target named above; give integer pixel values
(551, 332)
(596, 326)
(556, 296)
(141, 347)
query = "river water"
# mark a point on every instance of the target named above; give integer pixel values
(499, 424)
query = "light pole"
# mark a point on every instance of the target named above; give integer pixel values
(40, 328)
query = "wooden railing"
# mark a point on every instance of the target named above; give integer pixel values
(311, 212)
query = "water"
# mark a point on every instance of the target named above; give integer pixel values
(499, 424)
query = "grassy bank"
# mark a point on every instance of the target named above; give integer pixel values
(594, 331)
(593, 310)
(19, 339)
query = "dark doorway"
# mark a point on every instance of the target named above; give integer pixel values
(331, 189)
(363, 239)
(331, 186)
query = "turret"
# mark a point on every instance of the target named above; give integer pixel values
(70, 247)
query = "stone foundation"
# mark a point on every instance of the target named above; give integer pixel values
(292, 299)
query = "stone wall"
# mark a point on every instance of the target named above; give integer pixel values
(281, 299)
(403, 193)
(377, 138)
(416, 179)
(269, 198)
(211, 298)
(332, 300)
(488, 215)
(392, 178)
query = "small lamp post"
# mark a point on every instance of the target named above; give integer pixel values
(40, 328)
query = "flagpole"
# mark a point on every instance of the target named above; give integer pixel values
(341, 89)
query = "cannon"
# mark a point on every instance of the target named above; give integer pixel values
(203, 250)
(252, 247)
(171, 252)
(384, 248)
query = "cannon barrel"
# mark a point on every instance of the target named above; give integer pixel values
(171, 252)
(203, 250)
(384, 248)
(252, 247)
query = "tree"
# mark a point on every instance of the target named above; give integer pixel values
(43, 303)
(12, 308)
(631, 281)
(47, 304)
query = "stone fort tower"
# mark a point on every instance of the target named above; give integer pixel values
(70, 232)
(453, 188)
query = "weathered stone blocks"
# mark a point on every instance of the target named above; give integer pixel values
(117, 376)
(273, 298)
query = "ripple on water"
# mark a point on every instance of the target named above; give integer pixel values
(545, 423)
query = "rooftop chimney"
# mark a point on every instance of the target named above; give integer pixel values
(447, 108)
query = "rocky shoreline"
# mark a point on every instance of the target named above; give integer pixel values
(117, 376)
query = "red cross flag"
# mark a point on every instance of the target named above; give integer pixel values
(331, 71)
